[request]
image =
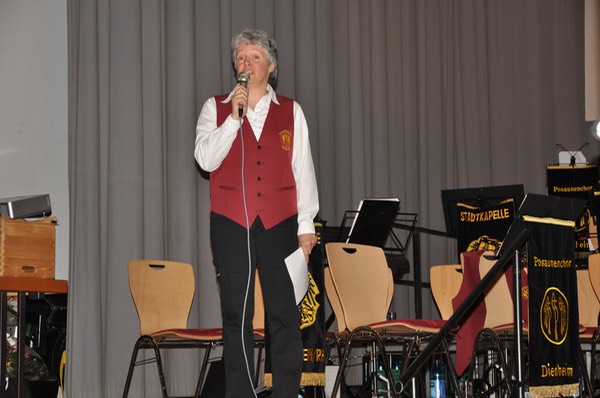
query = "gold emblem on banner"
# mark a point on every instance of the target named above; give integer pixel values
(309, 304)
(285, 137)
(484, 242)
(582, 222)
(525, 292)
(554, 316)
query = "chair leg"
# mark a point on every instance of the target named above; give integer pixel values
(132, 365)
(381, 351)
(410, 349)
(587, 386)
(333, 343)
(343, 358)
(161, 373)
(200, 383)
(258, 361)
(450, 366)
(144, 341)
(386, 365)
(594, 362)
(148, 342)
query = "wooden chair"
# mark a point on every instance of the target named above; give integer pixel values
(594, 276)
(333, 340)
(258, 322)
(498, 299)
(593, 232)
(445, 281)
(163, 292)
(588, 303)
(334, 300)
(360, 291)
(594, 272)
(589, 308)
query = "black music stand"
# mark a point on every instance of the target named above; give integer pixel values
(373, 221)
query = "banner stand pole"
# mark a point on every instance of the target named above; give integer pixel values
(518, 317)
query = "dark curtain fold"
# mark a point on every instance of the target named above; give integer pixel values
(403, 98)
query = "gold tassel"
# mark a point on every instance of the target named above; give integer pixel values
(313, 379)
(308, 379)
(268, 380)
(566, 390)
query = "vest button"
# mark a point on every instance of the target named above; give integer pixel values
(258, 178)
(259, 195)
(259, 147)
(258, 162)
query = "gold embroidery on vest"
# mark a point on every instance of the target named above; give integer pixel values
(285, 137)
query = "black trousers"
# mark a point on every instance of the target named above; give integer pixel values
(268, 248)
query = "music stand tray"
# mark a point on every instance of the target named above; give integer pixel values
(372, 224)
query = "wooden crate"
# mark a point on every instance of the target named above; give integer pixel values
(27, 248)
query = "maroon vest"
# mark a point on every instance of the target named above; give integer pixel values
(268, 177)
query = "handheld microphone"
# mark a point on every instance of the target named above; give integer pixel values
(242, 79)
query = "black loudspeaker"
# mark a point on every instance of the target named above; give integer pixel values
(46, 327)
(214, 385)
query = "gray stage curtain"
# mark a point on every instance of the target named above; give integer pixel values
(403, 98)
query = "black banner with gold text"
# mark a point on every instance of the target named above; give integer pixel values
(553, 310)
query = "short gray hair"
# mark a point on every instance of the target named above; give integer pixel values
(261, 38)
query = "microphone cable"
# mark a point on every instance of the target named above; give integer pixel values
(249, 260)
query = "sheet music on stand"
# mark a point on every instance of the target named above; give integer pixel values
(373, 220)
(394, 220)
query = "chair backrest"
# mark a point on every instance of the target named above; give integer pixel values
(498, 299)
(258, 321)
(445, 283)
(593, 233)
(363, 282)
(588, 303)
(163, 292)
(334, 300)
(594, 270)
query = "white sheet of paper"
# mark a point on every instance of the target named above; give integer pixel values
(298, 270)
